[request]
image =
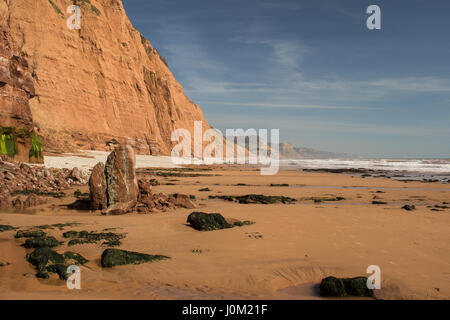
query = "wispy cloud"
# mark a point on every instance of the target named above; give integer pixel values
(283, 105)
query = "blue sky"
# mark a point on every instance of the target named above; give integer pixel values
(313, 69)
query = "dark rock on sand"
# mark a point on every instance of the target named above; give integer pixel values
(39, 242)
(207, 221)
(29, 234)
(357, 287)
(342, 287)
(256, 198)
(116, 257)
(83, 237)
(48, 261)
(409, 207)
(4, 227)
(332, 287)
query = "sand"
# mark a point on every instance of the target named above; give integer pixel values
(300, 244)
(88, 159)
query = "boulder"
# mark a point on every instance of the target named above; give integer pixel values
(97, 187)
(113, 187)
(182, 201)
(342, 287)
(207, 221)
(332, 287)
(120, 174)
(357, 287)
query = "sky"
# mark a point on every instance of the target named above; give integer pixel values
(313, 69)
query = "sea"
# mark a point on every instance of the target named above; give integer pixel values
(427, 170)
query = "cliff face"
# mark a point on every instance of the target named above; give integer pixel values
(100, 83)
(16, 89)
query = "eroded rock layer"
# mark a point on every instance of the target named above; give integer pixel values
(18, 140)
(102, 83)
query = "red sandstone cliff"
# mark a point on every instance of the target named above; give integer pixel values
(99, 83)
(16, 89)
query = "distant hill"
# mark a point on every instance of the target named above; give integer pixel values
(287, 151)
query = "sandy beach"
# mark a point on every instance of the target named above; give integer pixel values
(284, 255)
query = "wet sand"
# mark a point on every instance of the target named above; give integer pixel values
(284, 255)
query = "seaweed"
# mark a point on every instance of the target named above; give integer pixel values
(116, 257)
(255, 198)
(83, 237)
(57, 9)
(343, 287)
(30, 234)
(322, 199)
(39, 242)
(82, 196)
(208, 221)
(4, 227)
(36, 146)
(48, 261)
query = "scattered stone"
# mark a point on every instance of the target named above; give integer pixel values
(279, 185)
(120, 208)
(409, 207)
(207, 221)
(116, 257)
(182, 201)
(379, 202)
(204, 189)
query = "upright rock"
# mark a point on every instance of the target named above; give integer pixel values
(113, 187)
(120, 174)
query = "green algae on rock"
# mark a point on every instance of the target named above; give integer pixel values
(48, 261)
(40, 242)
(332, 287)
(256, 198)
(116, 257)
(83, 237)
(4, 227)
(343, 287)
(207, 221)
(29, 234)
